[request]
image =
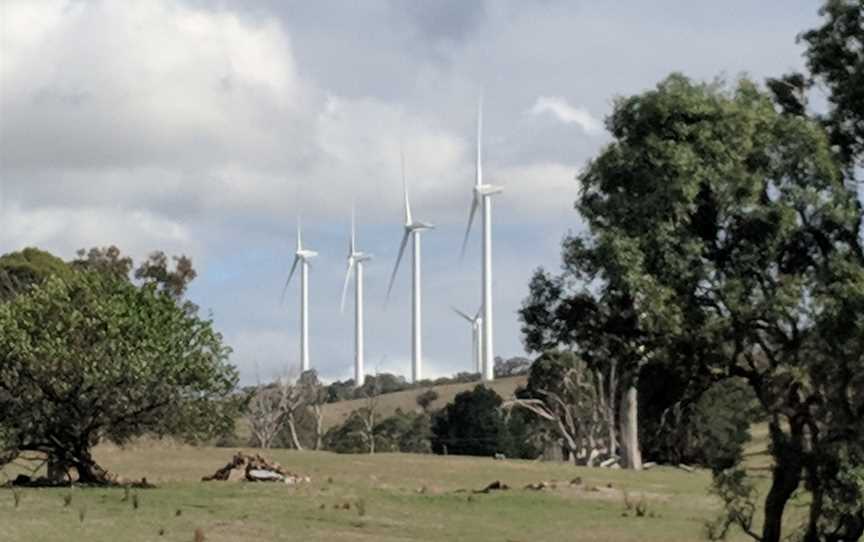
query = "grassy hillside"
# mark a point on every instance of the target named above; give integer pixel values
(336, 413)
(402, 497)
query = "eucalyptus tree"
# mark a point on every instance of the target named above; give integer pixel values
(723, 237)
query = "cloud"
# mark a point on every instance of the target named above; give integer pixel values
(205, 126)
(566, 113)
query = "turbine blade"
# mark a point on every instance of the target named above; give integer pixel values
(462, 314)
(473, 212)
(345, 285)
(291, 274)
(398, 260)
(405, 190)
(299, 234)
(479, 310)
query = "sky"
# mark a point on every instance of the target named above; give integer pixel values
(206, 128)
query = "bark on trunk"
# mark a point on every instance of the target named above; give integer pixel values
(785, 479)
(89, 472)
(57, 471)
(293, 429)
(631, 455)
(319, 426)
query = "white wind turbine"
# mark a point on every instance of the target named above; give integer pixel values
(355, 263)
(302, 257)
(413, 229)
(483, 196)
(476, 333)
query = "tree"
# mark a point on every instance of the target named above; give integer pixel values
(107, 260)
(563, 391)
(472, 424)
(511, 367)
(835, 60)
(598, 324)
(92, 357)
(314, 398)
(425, 399)
(267, 411)
(30, 267)
(368, 414)
(155, 270)
(728, 227)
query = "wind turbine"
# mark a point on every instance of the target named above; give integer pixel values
(476, 333)
(483, 197)
(302, 257)
(355, 263)
(413, 229)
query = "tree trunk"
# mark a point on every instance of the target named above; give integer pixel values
(57, 470)
(319, 426)
(631, 456)
(292, 427)
(785, 479)
(89, 472)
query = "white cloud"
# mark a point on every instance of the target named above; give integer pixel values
(566, 113)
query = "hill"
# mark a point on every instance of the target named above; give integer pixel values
(336, 413)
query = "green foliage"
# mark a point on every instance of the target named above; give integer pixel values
(105, 359)
(835, 57)
(30, 267)
(407, 432)
(425, 399)
(728, 227)
(347, 438)
(472, 424)
(711, 431)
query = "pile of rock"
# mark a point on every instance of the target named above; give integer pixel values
(254, 468)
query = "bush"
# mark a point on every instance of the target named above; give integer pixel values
(472, 424)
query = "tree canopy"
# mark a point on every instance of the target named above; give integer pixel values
(93, 357)
(726, 227)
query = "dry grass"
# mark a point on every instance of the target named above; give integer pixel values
(392, 497)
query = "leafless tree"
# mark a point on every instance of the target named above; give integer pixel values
(314, 397)
(273, 407)
(581, 410)
(369, 412)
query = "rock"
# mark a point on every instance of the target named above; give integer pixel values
(262, 475)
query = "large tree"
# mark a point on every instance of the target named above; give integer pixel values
(94, 357)
(729, 228)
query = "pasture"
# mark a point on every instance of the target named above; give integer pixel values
(385, 497)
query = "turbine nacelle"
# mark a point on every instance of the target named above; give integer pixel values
(487, 190)
(305, 254)
(418, 226)
(359, 257)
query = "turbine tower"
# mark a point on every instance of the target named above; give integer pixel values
(476, 333)
(413, 229)
(302, 257)
(355, 263)
(483, 197)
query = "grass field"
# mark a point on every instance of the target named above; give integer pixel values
(402, 497)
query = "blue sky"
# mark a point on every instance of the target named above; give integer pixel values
(205, 127)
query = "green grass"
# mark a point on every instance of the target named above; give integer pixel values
(404, 497)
